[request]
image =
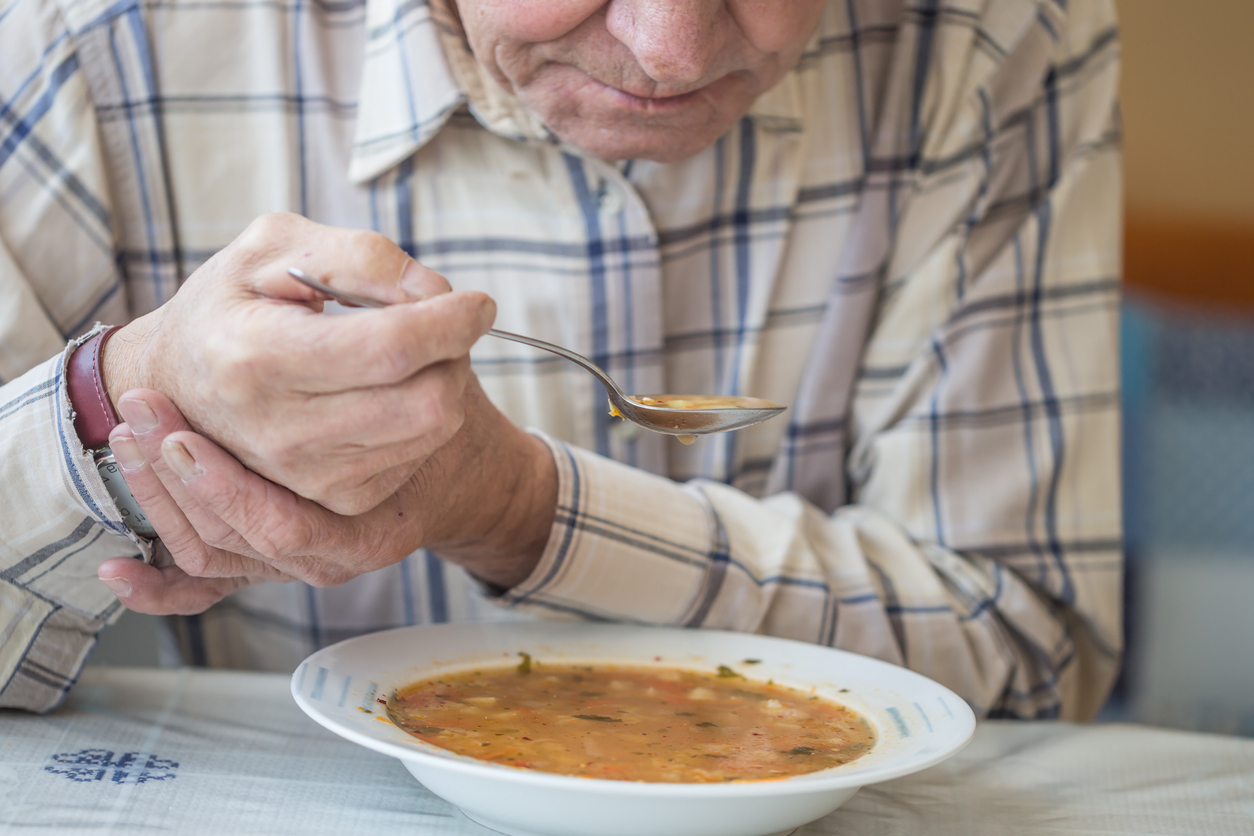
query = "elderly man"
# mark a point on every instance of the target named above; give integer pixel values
(900, 219)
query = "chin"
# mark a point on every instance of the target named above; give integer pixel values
(657, 145)
(615, 126)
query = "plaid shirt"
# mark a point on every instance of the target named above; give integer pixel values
(912, 241)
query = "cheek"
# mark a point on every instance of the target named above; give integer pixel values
(777, 25)
(525, 21)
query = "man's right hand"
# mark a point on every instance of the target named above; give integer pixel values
(340, 409)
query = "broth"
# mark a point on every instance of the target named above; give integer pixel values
(631, 723)
(702, 401)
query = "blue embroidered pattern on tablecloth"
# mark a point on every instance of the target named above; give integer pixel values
(100, 764)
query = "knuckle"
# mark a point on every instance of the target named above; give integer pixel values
(267, 234)
(370, 243)
(267, 225)
(194, 562)
(278, 537)
(225, 540)
(188, 552)
(273, 534)
(262, 230)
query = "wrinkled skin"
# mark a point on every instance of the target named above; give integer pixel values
(647, 79)
(340, 409)
(277, 453)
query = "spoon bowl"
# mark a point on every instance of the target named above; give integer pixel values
(698, 414)
(694, 420)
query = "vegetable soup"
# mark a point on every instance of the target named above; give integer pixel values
(631, 723)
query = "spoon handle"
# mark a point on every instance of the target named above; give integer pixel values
(353, 300)
(578, 359)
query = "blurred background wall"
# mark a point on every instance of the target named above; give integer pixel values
(1188, 363)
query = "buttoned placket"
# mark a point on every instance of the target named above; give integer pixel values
(632, 328)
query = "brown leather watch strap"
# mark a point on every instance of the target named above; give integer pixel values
(94, 417)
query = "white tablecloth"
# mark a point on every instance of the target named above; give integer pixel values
(198, 752)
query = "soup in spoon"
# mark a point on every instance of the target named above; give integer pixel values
(696, 402)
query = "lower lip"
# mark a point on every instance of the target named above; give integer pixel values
(659, 105)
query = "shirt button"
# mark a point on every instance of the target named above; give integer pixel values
(610, 201)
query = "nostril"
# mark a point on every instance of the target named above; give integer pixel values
(674, 42)
(673, 69)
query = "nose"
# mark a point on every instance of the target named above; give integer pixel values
(674, 41)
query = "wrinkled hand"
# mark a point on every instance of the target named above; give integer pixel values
(486, 499)
(342, 410)
(164, 588)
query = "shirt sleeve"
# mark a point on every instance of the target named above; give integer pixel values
(57, 524)
(57, 275)
(981, 542)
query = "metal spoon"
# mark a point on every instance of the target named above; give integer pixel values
(670, 420)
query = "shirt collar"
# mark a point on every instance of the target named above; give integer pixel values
(418, 70)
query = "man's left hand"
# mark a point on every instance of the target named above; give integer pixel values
(485, 500)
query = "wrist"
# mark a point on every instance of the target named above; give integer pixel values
(122, 362)
(506, 511)
(528, 519)
(94, 415)
(516, 541)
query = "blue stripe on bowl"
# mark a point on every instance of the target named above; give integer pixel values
(367, 704)
(924, 716)
(344, 693)
(319, 683)
(899, 721)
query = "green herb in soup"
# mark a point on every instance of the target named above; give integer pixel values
(631, 723)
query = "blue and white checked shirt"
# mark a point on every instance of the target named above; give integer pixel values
(912, 241)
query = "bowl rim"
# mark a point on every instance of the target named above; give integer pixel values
(429, 755)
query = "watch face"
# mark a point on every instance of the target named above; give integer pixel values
(132, 515)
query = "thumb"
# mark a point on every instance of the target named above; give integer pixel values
(163, 591)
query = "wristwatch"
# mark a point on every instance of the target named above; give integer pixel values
(94, 419)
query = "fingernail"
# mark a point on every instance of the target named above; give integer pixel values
(117, 586)
(176, 455)
(415, 281)
(138, 414)
(127, 453)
